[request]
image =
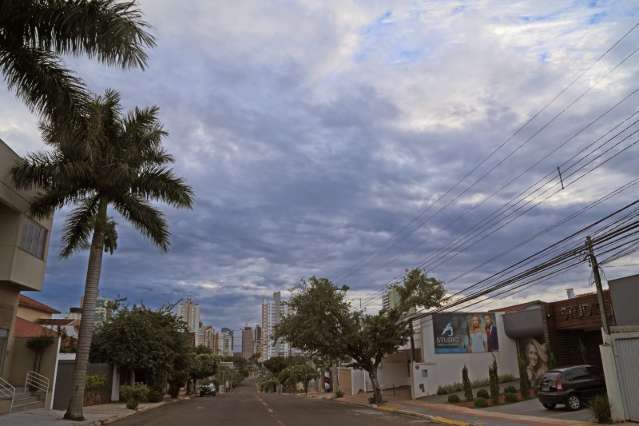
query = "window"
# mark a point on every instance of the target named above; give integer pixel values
(33, 238)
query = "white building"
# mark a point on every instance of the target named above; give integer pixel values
(190, 314)
(226, 342)
(272, 313)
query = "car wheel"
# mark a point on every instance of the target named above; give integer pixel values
(573, 402)
(549, 406)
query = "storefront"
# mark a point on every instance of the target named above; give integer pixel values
(562, 333)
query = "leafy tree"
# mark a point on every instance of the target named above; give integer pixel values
(323, 324)
(117, 161)
(468, 388)
(204, 365)
(201, 349)
(278, 363)
(35, 34)
(298, 373)
(140, 339)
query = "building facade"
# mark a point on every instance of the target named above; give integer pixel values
(247, 342)
(272, 313)
(226, 342)
(24, 243)
(190, 314)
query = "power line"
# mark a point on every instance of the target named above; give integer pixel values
(496, 149)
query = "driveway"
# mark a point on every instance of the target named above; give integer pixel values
(533, 407)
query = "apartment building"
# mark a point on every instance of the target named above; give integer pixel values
(23, 251)
(272, 313)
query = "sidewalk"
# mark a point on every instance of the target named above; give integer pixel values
(452, 414)
(95, 415)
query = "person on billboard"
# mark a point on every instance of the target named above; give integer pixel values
(477, 335)
(491, 334)
(537, 361)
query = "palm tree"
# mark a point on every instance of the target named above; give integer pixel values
(34, 34)
(118, 163)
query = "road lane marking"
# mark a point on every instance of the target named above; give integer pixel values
(270, 411)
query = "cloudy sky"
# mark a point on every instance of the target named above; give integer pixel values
(319, 138)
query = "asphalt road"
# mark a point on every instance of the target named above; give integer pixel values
(245, 407)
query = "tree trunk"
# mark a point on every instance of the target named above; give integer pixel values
(87, 323)
(377, 392)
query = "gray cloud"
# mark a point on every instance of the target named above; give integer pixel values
(312, 133)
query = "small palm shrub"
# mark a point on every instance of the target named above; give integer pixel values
(511, 397)
(600, 407)
(510, 389)
(483, 393)
(481, 402)
(155, 395)
(454, 399)
(339, 394)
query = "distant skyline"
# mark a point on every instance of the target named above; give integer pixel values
(311, 132)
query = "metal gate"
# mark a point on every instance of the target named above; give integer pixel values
(627, 351)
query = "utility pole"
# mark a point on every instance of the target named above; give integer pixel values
(600, 298)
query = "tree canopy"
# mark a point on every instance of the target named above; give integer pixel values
(324, 324)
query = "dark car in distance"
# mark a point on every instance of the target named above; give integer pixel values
(571, 386)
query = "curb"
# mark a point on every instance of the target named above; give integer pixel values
(394, 410)
(117, 417)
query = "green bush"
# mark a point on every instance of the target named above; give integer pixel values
(479, 383)
(454, 399)
(339, 394)
(483, 393)
(601, 408)
(155, 395)
(95, 381)
(511, 389)
(511, 397)
(134, 394)
(268, 384)
(481, 402)
(493, 376)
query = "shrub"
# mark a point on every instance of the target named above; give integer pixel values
(134, 394)
(468, 390)
(510, 389)
(494, 382)
(483, 393)
(511, 397)
(481, 402)
(155, 395)
(454, 399)
(524, 383)
(601, 408)
(339, 394)
(268, 384)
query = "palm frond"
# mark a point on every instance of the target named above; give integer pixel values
(110, 236)
(160, 183)
(112, 32)
(41, 81)
(78, 226)
(147, 219)
(37, 170)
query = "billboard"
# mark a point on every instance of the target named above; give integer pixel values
(465, 333)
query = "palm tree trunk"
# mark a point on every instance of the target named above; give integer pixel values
(87, 323)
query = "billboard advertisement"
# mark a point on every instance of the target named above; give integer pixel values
(465, 333)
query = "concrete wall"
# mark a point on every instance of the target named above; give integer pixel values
(394, 370)
(445, 369)
(625, 298)
(8, 307)
(63, 381)
(31, 315)
(23, 358)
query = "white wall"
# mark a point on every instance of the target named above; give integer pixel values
(444, 369)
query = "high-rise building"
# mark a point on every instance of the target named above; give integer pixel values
(207, 337)
(247, 342)
(190, 314)
(226, 340)
(257, 339)
(391, 299)
(272, 313)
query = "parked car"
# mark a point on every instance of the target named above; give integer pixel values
(572, 386)
(209, 389)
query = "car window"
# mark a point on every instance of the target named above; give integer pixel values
(594, 371)
(576, 373)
